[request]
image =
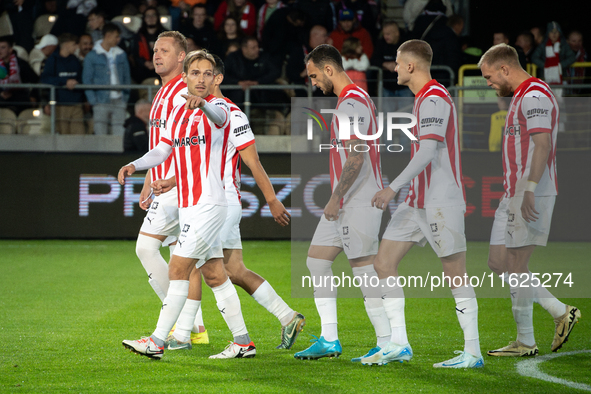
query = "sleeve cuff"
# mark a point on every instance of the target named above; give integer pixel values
(249, 143)
(431, 137)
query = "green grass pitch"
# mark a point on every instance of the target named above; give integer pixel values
(65, 306)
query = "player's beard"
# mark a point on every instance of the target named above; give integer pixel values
(505, 91)
(328, 87)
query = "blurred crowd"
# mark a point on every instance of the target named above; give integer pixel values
(262, 42)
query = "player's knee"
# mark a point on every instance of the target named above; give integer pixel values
(318, 266)
(495, 266)
(147, 247)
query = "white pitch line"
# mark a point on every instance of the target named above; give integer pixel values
(530, 368)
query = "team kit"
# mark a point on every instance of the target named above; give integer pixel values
(191, 195)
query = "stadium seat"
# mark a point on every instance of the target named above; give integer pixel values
(7, 121)
(21, 52)
(133, 23)
(43, 25)
(31, 121)
(143, 93)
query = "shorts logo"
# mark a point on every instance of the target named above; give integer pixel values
(346, 245)
(346, 230)
(510, 234)
(155, 205)
(511, 218)
(149, 220)
(433, 227)
(186, 228)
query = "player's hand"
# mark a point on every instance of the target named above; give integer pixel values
(528, 207)
(145, 198)
(331, 210)
(193, 102)
(163, 185)
(279, 212)
(124, 172)
(382, 198)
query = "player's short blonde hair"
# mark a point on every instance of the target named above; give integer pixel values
(196, 56)
(179, 40)
(500, 53)
(419, 49)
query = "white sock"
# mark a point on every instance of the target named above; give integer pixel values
(184, 324)
(393, 300)
(522, 300)
(373, 303)
(467, 312)
(324, 297)
(147, 250)
(544, 298)
(229, 306)
(198, 320)
(268, 298)
(171, 307)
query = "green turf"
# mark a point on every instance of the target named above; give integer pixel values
(65, 306)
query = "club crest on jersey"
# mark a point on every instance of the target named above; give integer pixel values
(189, 141)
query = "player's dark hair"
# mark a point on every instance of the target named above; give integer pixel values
(325, 54)
(500, 53)
(419, 49)
(219, 65)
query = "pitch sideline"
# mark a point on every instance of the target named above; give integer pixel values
(530, 368)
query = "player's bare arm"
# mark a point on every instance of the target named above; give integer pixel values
(145, 194)
(124, 172)
(163, 185)
(350, 173)
(542, 146)
(250, 157)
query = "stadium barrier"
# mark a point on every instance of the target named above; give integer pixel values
(77, 196)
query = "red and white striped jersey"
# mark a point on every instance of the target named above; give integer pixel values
(440, 183)
(239, 138)
(168, 97)
(533, 109)
(199, 151)
(354, 100)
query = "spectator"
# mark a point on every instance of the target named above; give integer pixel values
(15, 70)
(96, 21)
(385, 57)
(497, 125)
(366, 14)
(576, 74)
(413, 9)
(242, 10)
(200, 29)
(348, 27)
(136, 128)
(525, 41)
(72, 18)
(191, 45)
(107, 64)
(456, 23)
(142, 47)
(283, 31)
(229, 35)
(355, 62)
(20, 13)
(63, 68)
(265, 13)
(296, 69)
(85, 45)
(500, 38)
(319, 12)
(538, 35)
(37, 57)
(248, 67)
(431, 26)
(553, 55)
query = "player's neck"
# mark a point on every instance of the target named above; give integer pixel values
(218, 92)
(170, 76)
(418, 82)
(519, 78)
(341, 81)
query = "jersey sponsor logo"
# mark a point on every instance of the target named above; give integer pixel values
(188, 141)
(513, 130)
(241, 130)
(537, 112)
(360, 120)
(427, 122)
(158, 123)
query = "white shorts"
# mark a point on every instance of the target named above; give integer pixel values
(200, 232)
(355, 231)
(511, 230)
(442, 227)
(162, 217)
(230, 234)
